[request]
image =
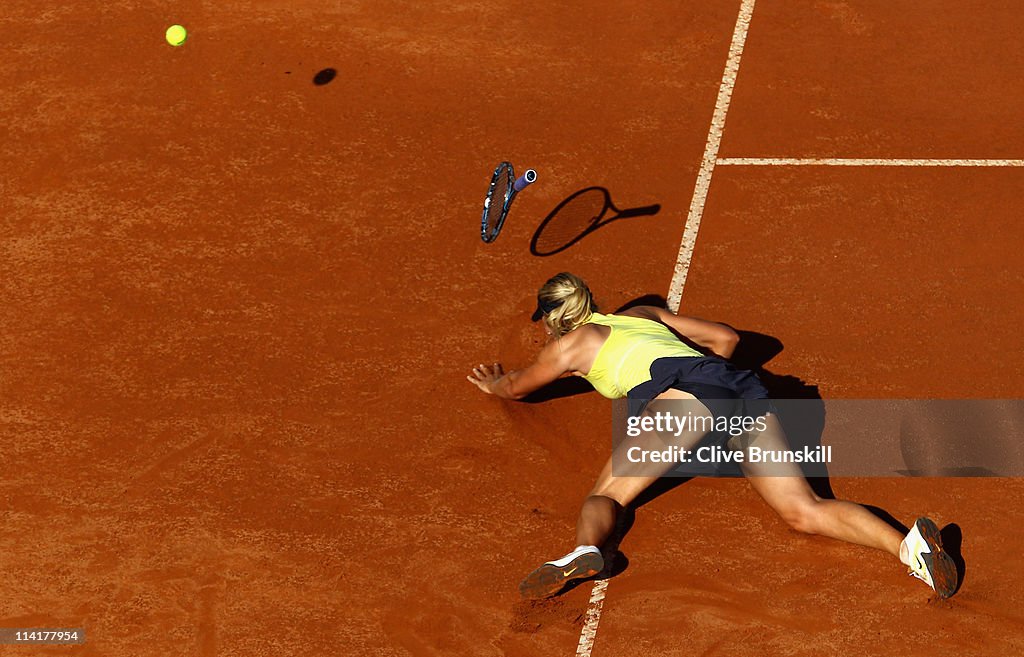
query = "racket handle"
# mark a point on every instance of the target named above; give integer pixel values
(526, 179)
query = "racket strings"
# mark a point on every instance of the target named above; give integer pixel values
(497, 200)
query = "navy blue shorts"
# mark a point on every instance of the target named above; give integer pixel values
(724, 389)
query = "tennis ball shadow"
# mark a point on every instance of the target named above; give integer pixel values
(324, 76)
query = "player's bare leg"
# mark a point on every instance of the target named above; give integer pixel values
(609, 496)
(784, 488)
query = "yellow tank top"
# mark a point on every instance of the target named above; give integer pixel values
(624, 360)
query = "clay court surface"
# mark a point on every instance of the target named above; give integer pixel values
(238, 309)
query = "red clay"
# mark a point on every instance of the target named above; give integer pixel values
(239, 309)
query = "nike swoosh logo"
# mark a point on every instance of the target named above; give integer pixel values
(566, 573)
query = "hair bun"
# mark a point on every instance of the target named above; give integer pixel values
(574, 299)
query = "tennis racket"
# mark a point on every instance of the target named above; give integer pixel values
(504, 187)
(578, 216)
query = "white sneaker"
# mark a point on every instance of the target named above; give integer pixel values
(928, 562)
(549, 579)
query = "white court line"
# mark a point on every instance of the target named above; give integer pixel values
(589, 631)
(707, 165)
(862, 162)
(732, 66)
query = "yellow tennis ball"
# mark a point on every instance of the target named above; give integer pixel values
(176, 35)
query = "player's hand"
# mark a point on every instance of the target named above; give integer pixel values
(485, 377)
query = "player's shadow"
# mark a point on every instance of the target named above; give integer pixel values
(568, 386)
(952, 543)
(578, 215)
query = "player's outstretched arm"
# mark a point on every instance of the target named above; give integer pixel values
(550, 365)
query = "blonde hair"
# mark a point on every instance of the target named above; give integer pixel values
(576, 303)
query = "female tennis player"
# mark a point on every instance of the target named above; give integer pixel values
(635, 354)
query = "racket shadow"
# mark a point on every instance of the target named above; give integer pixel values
(580, 214)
